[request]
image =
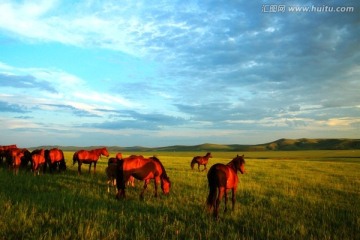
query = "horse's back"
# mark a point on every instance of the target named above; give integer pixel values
(222, 176)
(141, 168)
(56, 154)
(217, 175)
(83, 155)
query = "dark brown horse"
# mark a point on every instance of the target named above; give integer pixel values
(222, 178)
(201, 161)
(89, 157)
(55, 159)
(111, 171)
(142, 169)
(5, 151)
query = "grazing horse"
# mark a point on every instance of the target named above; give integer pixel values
(15, 155)
(111, 175)
(26, 159)
(38, 160)
(110, 171)
(5, 151)
(89, 157)
(224, 177)
(142, 169)
(201, 161)
(55, 159)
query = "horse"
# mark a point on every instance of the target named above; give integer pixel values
(89, 157)
(38, 160)
(111, 171)
(26, 159)
(201, 161)
(223, 177)
(14, 159)
(142, 169)
(55, 159)
(5, 150)
(111, 175)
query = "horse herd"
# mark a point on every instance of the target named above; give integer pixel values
(221, 177)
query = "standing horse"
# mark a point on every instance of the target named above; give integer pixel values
(5, 151)
(111, 171)
(15, 155)
(111, 175)
(142, 169)
(224, 177)
(55, 159)
(201, 161)
(89, 157)
(38, 160)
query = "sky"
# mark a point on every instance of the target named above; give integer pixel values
(161, 73)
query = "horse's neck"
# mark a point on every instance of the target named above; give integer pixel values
(232, 166)
(97, 152)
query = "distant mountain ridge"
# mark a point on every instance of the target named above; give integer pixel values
(278, 145)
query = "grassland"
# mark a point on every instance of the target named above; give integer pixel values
(284, 195)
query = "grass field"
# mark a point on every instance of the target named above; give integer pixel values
(284, 195)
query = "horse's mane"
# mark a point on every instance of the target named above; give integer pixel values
(163, 175)
(237, 159)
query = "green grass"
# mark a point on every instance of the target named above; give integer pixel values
(284, 195)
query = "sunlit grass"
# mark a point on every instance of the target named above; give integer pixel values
(284, 195)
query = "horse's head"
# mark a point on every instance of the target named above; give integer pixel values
(165, 185)
(240, 163)
(208, 155)
(119, 156)
(105, 152)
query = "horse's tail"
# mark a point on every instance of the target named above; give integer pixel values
(212, 180)
(193, 163)
(62, 165)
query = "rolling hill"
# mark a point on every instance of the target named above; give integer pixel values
(278, 145)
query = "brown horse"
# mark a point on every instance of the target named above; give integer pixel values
(224, 177)
(111, 175)
(55, 159)
(111, 171)
(142, 169)
(15, 155)
(89, 157)
(5, 151)
(38, 160)
(201, 161)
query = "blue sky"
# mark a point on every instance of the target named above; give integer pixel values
(159, 73)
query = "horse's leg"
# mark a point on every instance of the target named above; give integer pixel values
(233, 198)
(108, 185)
(226, 199)
(204, 167)
(218, 200)
(114, 183)
(94, 167)
(79, 167)
(146, 182)
(156, 181)
(89, 167)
